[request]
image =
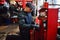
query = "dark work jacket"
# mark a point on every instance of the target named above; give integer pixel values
(25, 19)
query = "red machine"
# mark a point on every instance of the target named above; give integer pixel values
(50, 33)
(52, 24)
(41, 34)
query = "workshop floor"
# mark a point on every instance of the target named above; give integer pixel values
(9, 29)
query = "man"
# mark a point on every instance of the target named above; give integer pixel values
(25, 22)
(13, 9)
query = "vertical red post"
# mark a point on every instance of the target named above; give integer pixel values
(45, 5)
(52, 23)
(23, 3)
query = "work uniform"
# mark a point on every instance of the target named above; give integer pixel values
(25, 20)
(26, 23)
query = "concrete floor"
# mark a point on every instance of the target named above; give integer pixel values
(8, 30)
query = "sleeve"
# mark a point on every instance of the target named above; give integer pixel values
(23, 24)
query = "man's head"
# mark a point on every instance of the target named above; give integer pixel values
(29, 7)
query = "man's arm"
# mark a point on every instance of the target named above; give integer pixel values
(23, 24)
(22, 21)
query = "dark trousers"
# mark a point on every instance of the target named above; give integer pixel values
(13, 37)
(24, 33)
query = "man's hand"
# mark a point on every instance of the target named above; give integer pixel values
(35, 26)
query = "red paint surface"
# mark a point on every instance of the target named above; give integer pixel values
(24, 3)
(2, 1)
(45, 5)
(52, 24)
(39, 35)
(45, 35)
